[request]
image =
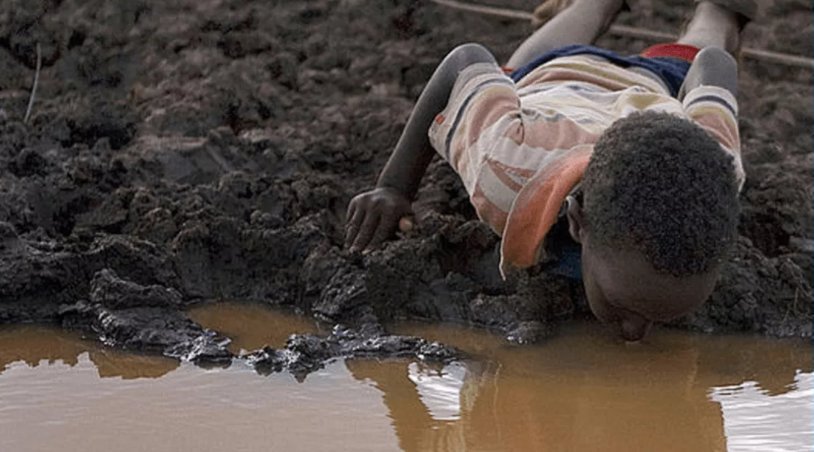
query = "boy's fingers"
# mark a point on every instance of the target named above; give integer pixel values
(366, 231)
(352, 226)
(350, 213)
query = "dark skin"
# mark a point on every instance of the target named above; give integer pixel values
(622, 288)
(626, 292)
(373, 216)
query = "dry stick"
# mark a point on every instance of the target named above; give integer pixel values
(632, 32)
(34, 86)
(488, 10)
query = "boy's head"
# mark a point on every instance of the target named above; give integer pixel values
(659, 211)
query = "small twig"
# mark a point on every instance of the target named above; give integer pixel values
(488, 10)
(34, 86)
(632, 32)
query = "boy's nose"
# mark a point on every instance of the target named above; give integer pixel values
(634, 329)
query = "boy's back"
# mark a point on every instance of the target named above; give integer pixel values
(639, 157)
(521, 148)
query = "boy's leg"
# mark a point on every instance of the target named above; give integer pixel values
(713, 25)
(580, 23)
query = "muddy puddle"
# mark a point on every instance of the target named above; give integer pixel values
(581, 390)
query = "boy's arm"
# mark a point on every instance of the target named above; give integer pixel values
(712, 66)
(709, 97)
(374, 215)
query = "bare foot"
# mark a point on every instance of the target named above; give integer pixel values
(713, 25)
(550, 8)
(746, 10)
(547, 10)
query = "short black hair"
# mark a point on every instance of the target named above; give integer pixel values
(660, 185)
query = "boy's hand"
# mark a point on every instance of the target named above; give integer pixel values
(373, 216)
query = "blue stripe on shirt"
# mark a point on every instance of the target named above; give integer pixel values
(464, 105)
(715, 99)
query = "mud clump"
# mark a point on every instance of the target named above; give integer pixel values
(155, 330)
(200, 150)
(144, 318)
(306, 353)
(110, 291)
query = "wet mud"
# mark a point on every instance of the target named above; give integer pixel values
(199, 150)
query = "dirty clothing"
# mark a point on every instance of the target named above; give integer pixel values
(521, 146)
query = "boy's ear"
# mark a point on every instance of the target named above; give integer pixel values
(576, 220)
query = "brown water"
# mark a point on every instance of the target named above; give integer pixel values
(582, 390)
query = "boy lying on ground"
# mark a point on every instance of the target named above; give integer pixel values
(637, 158)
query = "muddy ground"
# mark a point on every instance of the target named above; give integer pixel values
(186, 151)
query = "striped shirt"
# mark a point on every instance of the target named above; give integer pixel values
(521, 148)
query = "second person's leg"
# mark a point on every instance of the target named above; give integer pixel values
(713, 26)
(580, 23)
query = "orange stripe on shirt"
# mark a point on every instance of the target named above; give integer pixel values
(719, 125)
(536, 209)
(490, 107)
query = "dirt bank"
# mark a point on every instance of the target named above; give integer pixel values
(194, 150)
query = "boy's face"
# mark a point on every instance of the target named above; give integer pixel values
(624, 290)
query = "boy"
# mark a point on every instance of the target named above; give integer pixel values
(636, 158)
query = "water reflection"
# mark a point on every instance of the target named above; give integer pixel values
(251, 326)
(34, 345)
(754, 419)
(584, 389)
